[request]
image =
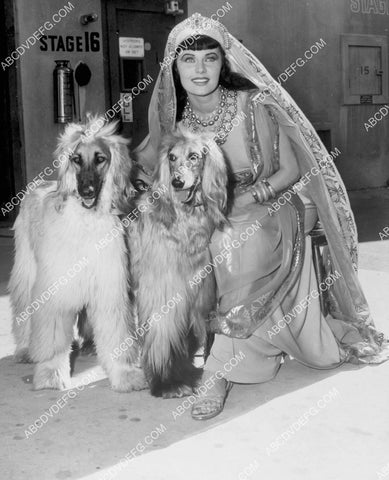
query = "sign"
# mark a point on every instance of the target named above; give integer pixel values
(132, 47)
(127, 115)
(89, 42)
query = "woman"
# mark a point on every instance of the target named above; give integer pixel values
(210, 82)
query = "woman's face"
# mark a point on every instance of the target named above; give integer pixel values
(199, 70)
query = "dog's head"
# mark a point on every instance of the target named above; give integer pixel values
(194, 170)
(94, 163)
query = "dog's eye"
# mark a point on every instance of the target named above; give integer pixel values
(100, 159)
(172, 157)
(76, 159)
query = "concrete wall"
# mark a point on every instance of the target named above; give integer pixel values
(36, 68)
(280, 31)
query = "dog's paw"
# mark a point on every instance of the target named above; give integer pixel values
(49, 378)
(130, 380)
(22, 356)
(178, 392)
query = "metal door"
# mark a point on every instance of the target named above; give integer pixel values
(143, 28)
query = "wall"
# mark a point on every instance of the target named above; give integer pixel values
(36, 69)
(280, 31)
(277, 31)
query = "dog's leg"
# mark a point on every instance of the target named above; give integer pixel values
(168, 350)
(112, 321)
(51, 337)
(20, 286)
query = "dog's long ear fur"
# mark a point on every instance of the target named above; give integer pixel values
(121, 165)
(214, 184)
(164, 207)
(67, 143)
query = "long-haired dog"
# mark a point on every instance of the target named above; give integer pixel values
(71, 255)
(170, 246)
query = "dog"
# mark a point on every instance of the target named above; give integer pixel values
(170, 241)
(71, 256)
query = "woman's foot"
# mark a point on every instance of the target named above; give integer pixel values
(210, 402)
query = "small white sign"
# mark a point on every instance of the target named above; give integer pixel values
(132, 47)
(127, 115)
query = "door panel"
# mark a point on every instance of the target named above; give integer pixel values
(137, 19)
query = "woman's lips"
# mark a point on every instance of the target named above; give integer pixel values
(200, 81)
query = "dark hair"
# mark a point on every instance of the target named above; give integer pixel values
(228, 79)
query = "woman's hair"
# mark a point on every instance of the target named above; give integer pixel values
(228, 79)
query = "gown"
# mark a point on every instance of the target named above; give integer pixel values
(307, 335)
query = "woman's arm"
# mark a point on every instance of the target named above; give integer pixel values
(287, 174)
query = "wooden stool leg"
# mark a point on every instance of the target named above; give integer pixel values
(319, 268)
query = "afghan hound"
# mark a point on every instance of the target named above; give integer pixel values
(170, 240)
(71, 256)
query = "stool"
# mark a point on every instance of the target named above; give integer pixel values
(319, 240)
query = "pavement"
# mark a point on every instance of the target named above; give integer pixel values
(304, 424)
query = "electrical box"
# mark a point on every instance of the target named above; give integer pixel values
(365, 69)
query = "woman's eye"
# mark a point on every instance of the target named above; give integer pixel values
(211, 59)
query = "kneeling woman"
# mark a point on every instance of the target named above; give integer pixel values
(268, 294)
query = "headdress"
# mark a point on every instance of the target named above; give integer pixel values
(198, 25)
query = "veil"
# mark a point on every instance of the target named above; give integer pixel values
(327, 190)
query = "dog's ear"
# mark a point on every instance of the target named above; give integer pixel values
(121, 178)
(67, 143)
(164, 205)
(214, 183)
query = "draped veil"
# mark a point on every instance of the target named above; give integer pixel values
(326, 190)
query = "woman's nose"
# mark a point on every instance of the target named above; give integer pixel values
(200, 67)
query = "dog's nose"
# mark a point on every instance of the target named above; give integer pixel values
(177, 183)
(88, 191)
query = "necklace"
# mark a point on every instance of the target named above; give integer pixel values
(213, 116)
(220, 120)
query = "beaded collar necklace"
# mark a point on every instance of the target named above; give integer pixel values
(219, 121)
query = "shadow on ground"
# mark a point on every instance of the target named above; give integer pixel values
(98, 427)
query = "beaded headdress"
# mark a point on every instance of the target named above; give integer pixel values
(196, 25)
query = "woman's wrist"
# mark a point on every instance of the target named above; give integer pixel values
(272, 190)
(262, 191)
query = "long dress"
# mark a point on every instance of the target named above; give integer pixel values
(308, 337)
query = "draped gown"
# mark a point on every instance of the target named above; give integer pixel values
(309, 337)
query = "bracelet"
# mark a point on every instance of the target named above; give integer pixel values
(273, 193)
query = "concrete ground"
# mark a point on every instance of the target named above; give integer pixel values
(343, 432)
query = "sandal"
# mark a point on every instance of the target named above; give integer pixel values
(209, 405)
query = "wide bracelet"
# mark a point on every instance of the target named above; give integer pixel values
(265, 181)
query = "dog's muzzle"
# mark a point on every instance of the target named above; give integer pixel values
(88, 196)
(88, 202)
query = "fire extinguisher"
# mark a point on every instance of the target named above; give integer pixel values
(63, 92)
